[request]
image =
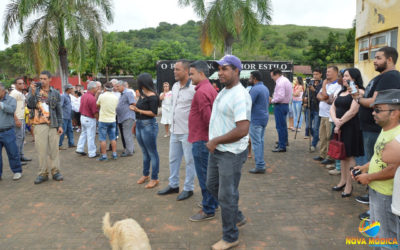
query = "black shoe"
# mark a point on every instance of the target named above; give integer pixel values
(81, 153)
(364, 215)
(363, 199)
(124, 154)
(58, 177)
(318, 158)
(168, 190)
(23, 163)
(344, 195)
(279, 150)
(327, 162)
(41, 178)
(257, 171)
(242, 222)
(184, 195)
(277, 143)
(338, 188)
(23, 158)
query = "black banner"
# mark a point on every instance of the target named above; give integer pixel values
(165, 72)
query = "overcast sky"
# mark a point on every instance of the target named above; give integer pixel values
(131, 15)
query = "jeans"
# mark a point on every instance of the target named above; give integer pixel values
(281, 111)
(257, 133)
(297, 114)
(88, 134)
(67, 128)
(178, 147)
(380, 209)
(369, 139)
(314, 123)
(107, 128)
(7, 139)
(126, 135)
(223, 177)
(20, 137)
(146, 135)
(398, 228)
(200, 157)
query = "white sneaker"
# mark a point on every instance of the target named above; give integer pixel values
(17, 176)
(312, 149)
(78, 130)
(330, 166)
(334, 172)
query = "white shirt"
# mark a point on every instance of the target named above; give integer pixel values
(181, 103)
(396, 189)
(331, 89)
(231, 106)
(20, 98)
(75, 103)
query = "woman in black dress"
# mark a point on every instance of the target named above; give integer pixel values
(344, 115)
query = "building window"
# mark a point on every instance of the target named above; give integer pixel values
(368, 46)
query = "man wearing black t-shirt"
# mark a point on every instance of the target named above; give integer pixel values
(389, 78)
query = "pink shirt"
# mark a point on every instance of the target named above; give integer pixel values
(200, 111)
(283, 91)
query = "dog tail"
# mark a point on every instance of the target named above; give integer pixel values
(106, 225)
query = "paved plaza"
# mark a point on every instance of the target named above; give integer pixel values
(290, 207)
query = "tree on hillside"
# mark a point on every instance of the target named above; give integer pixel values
(55, 21)
(225, 21)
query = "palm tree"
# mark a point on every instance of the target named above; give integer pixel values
(225, 21)
(54, 22)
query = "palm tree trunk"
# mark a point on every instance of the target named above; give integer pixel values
(228, 45)
(62, 54)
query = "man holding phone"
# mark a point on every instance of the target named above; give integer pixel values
(44, 100)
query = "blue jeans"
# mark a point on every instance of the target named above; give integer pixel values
(381, 210)
(67, 130)
(314, 122)
(200, 157)
(20, 135)
(223, 177)
(8, 140)
(297, 114)
(281, 111)
(369, 139)
(178, 147)
(257, 143)
(146, 135)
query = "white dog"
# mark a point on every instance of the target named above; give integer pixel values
(125, 234)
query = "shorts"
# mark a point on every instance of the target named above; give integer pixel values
(107, 128)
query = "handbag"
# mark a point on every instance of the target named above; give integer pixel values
(336, 148)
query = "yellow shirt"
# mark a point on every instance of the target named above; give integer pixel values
(108, 104)
(376, 164)
(20, 98)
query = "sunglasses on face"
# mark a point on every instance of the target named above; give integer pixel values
(376, 110)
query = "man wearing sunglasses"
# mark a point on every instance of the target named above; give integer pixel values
(378, 175)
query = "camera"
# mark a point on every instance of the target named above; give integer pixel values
(309, 81)
(38, 84)
(355, 172)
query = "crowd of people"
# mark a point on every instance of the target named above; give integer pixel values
(213, 130)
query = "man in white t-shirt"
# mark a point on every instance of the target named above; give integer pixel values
(390, 155)
(326, 95)
(19, 117)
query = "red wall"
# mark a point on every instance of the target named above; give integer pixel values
(56, 82)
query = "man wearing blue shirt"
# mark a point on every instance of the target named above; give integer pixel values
(259, 118)
(67, 118)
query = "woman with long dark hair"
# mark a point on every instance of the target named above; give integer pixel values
(344, 112)
(298, 91)
(147, 128)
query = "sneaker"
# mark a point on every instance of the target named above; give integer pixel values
(327, 161)
(242, 222)
(330, 166)
(312, 149)
(201, 216)
(364, 215)
(334, 172)
(78, 130)
(58, 177)
(102, 158)
(363, 199)
(41, 179)
(114, 157)
(17, 176)
(222, 245)
(200, 205)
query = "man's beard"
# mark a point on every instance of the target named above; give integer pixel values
(381, 68)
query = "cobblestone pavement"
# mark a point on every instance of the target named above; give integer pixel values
(290, 207)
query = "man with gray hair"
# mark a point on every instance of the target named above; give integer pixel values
(89, 115)
(125, 117)
(7, 133)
